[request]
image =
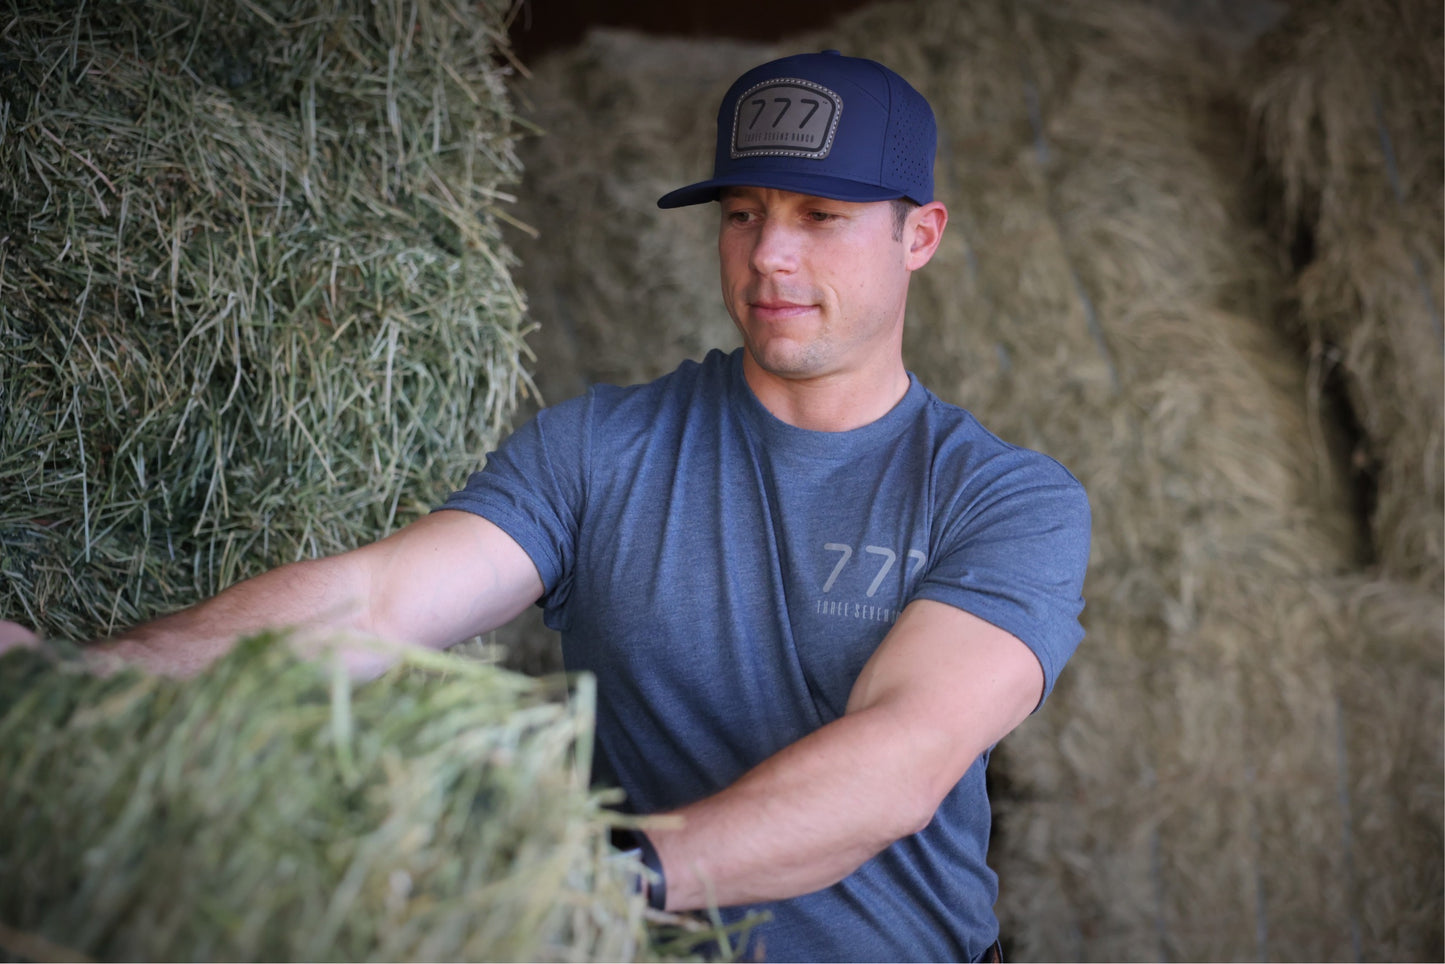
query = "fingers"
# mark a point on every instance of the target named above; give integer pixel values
(14, 635)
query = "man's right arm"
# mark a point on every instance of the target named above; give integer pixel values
(443, 579)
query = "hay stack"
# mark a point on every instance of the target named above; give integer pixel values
(254, 304)
(1223, 771)
(592, 183)
(1350, 107)
(265, 811)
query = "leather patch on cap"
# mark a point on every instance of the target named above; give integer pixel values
(790, 117)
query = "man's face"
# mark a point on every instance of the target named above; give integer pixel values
(816, 287)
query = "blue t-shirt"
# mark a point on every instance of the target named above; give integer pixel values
(726, 575)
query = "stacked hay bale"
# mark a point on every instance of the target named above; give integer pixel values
(1351, 114)
(254, 304)
(614, 100)
(1349, 107)
(266, 810)
(1200, 785)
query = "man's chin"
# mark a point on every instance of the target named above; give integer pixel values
(787, 360)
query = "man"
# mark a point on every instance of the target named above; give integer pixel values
(814, 596)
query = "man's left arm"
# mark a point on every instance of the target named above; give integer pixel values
(942, 688)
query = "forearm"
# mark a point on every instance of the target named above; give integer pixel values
(442, 579)
(321, 592)
(942, 688)
(802, 820)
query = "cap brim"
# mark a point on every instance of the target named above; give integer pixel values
(837, 188)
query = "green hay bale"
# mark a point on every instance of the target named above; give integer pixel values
(1349, 104)
(268, 810)
(254, 305)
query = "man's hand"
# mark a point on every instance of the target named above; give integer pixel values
(14, 636)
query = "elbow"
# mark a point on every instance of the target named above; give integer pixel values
(913, 810)
(919, 814)
(912, 787)
(920, 792)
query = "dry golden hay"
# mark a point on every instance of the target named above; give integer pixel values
(638, 321)
(1349, 101)
(254, 303)
(1394, 810)
(1203, 783)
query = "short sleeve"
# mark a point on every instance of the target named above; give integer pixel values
(1016, 555)
(533, 486)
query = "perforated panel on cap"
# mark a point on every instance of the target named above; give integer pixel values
(909, 159)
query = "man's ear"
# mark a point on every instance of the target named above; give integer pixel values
(923, 231)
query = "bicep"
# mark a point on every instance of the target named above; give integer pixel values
(953, 683)
(447, 577)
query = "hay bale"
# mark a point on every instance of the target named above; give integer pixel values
(255, 301)
(1388, 725)
(266, 810)
(1349, 105)
(1198, 786)
(639, 320)
(1104, 299)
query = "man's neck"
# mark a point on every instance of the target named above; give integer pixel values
(830, 403)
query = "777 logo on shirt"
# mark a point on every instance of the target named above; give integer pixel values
(878, 561)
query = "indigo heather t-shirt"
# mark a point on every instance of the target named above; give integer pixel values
(726, 575)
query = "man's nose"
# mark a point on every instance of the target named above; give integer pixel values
(776, 248)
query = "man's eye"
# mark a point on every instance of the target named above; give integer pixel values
(821, 216)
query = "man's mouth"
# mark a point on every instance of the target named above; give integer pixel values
(770, 309)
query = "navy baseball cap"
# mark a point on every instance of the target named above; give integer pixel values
(821, 124)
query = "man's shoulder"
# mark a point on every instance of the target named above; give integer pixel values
(691, 382)
(714, 365)
(978, 473)
(614, 418)
(959, 436)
